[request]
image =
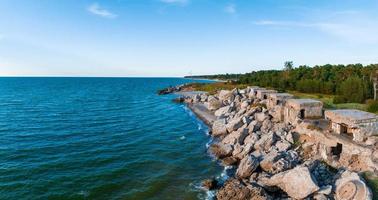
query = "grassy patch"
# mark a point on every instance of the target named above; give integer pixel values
(357, 106)
(212, 88)
(372, 106)
(372, 182)
(328, 101)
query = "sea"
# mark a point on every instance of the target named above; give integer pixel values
(100, 138)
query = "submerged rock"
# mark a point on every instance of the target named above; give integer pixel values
(210, 184)
(179, 100)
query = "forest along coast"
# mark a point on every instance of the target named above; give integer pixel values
(281, 147)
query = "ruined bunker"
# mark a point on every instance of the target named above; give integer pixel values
(353, 123)
(302, 109)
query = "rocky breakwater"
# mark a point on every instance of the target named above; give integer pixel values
(187, 87)
(267, 159)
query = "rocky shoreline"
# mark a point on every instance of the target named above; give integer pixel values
(270, 157)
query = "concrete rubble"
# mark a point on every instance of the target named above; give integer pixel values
(285, 148)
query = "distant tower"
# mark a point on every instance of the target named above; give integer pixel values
(375, 82)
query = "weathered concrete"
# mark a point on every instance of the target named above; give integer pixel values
(264, 94)
(250, 135)
(297, 183)
(339, 150)
(302, 109)
(351, 187)
(355, 123)
(278, 99)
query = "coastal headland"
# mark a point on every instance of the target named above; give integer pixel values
(280, 147)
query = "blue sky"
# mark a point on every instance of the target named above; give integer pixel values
(179, 37)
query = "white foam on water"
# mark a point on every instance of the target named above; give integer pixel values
(187, 110)
(211, 140)
(224, 175)
(182, 137)
(83, 193)
(210, 195)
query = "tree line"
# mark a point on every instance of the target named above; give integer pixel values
(351, 83)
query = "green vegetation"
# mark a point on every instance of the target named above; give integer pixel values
(212, 88)
(372, 182)
(350, 83)
(372, 106)
(338, 86)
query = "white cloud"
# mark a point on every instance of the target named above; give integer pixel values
(284, 23)
(178, 2)
(231, 9)
(361, 32)
(97, 10)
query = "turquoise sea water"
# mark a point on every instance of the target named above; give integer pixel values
(99, 138)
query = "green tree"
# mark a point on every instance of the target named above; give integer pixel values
(352, 89)
(289, 65)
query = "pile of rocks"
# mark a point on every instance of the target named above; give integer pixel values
(266, 156)
(171, 89)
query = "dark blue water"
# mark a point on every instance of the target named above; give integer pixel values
(99, 138)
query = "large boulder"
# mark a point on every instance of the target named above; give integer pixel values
(240, 151)
(350, 186)
(244, 104)
(228, 161)
(234, 189)
(219, 127)
(196, 98)
(254, 126)
(204, 97)
(223, 111)
(221, 150)
(266, 141)
(234, 124)
(252, 138)
(260, 117)
(213, 103)
(236, 137)
(268, 160)
(247, 166)
(275, 162)
(267, 125)
(297, 183)
(283, 145)
(226, 95)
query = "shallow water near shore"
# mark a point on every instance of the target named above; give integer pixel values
(99, 138)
